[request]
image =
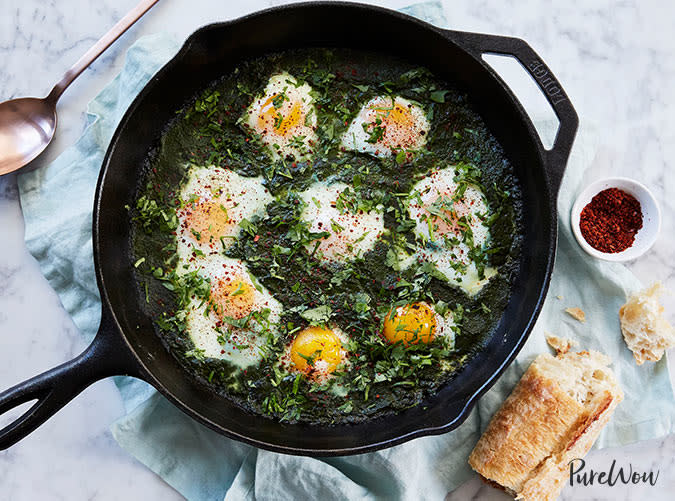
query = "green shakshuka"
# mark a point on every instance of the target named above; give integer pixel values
(326, 235)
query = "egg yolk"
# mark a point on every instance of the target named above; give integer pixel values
(447, 223)
(233, 298)
(316, 348)
(208, 221)
(397, 116)
(410, 324)
(393, 125)
(281, 119)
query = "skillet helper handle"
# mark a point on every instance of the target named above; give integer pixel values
(556, 158)
(106, 356)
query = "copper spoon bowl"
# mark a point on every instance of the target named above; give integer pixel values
(27, 124)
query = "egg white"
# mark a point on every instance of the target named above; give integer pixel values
(289, 128)
(445, 327)
(409, 134)
(242, 346)
(437, 249)
(240, 197)
(351, 235)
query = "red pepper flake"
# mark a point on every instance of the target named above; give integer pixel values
(611, 220)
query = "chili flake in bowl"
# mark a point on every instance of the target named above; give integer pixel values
(616, 219)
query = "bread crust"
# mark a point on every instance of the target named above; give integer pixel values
(544, 424)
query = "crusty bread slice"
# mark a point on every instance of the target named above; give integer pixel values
(645, 330)
(554, 415)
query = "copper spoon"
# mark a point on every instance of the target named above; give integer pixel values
(27, 124)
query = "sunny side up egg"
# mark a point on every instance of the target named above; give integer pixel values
(317, 351)
(385, 125)
(284, 117)
(417, 322)
(240, 318)
(214, 203)
(350, 235)
(450, 226)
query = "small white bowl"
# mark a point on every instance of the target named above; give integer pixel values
(651, 217)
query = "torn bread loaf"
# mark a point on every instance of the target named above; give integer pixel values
(645, 330)
(554, 415)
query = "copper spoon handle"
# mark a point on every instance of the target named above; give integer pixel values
(99, 47)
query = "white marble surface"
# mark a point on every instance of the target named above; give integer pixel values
(614, 58)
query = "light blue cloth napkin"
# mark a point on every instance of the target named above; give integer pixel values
(202, 465)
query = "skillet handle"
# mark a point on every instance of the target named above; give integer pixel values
(106, 356)
(478, 44)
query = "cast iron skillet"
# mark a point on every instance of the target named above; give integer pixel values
(126, 343)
